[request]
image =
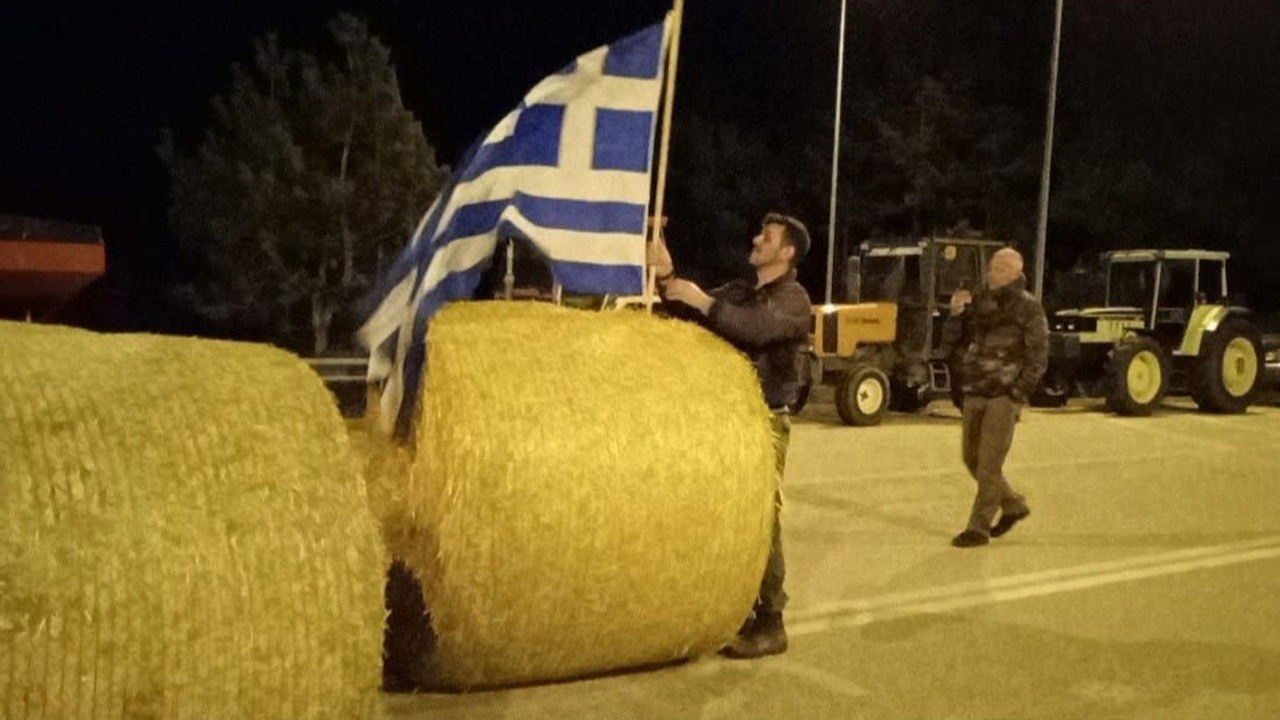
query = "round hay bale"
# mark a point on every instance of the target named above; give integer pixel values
(590, 492)
(183, 534)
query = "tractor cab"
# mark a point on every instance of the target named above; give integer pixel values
(1167, 285)
(880, 347)
(1165, 328)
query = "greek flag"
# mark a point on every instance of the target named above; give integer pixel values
(568, 170)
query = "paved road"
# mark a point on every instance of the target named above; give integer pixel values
(1144, 585)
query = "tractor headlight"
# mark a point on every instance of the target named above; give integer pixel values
(1074, 324)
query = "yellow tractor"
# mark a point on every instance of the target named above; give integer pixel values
(879, 349)
(1165, 328)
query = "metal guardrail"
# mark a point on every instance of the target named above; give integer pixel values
(347, 379)
(340, 369)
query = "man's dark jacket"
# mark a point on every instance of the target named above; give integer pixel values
(770, 324)
(1004, 338)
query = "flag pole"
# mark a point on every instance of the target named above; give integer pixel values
(664, 150)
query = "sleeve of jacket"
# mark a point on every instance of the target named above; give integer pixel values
(953, 335)
(1035, 339)
(784, 317)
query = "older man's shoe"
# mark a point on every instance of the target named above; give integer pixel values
(970, 538)
(1006, 522)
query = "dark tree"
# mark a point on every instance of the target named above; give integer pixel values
(305, 187)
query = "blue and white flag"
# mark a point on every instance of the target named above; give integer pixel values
(568, 171)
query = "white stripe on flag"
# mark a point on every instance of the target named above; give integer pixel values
(455, 257)
(576, 246)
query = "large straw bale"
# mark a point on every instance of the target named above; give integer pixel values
(591, 491)
(183, 534)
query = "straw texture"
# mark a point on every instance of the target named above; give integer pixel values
(590, 491)
(183, 534)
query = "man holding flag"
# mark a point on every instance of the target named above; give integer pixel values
(569, 172)
(768, 320)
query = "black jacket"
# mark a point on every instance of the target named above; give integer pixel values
(770, 324)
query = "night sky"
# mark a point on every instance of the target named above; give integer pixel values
(88, 87)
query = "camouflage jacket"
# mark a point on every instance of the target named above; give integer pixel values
(1004, 340)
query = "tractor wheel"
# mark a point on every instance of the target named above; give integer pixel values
(1048, 397)
(802, 397)
(907, 399)
(804, 371)
(1225, 378)
(1052, 393)
(862, 396)
(957, 387)
(1138, 373)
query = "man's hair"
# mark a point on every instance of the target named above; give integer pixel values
(794, 233)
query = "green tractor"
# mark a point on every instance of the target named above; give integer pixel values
(1165, 329)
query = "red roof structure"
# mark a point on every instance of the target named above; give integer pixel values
(43, 264)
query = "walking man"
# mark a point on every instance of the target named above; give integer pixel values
(1004, 337)
(768, 320)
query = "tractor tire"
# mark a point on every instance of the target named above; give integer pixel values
(957, 387)
(1048, 397)
(804, 371)
(907, 399)
(1138, 376)
(1227, 377)
(862, 396)
(1052, 393)
(802, 397)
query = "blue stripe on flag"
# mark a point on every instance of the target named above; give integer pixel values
(535, 141)
(578, 215)
(419, 248)
(598, 279)
(469, 221)
(637, 55)
(455, 286)
(475, 219)
(622, 140)
(582, 215)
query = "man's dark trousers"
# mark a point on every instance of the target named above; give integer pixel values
(773, 598)
(988, 434)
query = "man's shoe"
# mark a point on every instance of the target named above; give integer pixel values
(764, 636)
(1006, 523)
(970, 538)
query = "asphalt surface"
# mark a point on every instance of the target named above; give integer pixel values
(1144, 584)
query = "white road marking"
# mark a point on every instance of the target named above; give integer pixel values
(855, 613)
(830, 681)
(1012, 467)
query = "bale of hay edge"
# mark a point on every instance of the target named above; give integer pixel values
(183, 534)
(590, 492)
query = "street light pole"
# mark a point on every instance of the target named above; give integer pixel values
(1042, 222)
(835, 153)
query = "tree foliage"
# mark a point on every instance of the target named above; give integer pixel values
(1162, 126)
(307, 182)
(934, 161)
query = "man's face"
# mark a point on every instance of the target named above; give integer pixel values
(1005, 267)
(769, 247)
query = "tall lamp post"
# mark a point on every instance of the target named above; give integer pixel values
(1042, 222)
(835, 154)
